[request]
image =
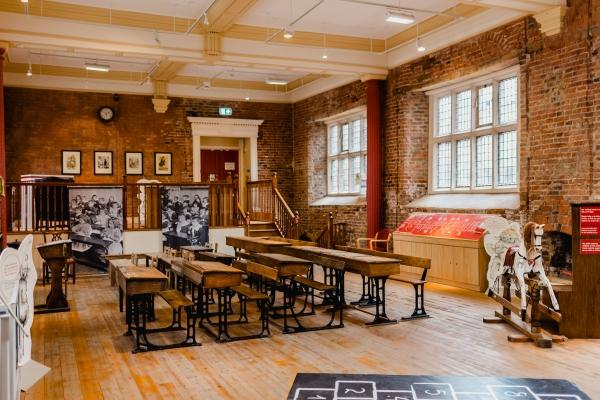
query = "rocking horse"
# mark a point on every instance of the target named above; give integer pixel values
(516, 259)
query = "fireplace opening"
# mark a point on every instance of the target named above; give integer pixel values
(557, 254)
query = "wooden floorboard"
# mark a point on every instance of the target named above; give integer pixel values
(90, 359)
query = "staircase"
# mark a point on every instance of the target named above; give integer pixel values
(267, 212)
(259, 228)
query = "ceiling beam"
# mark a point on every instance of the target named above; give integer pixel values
(162, 71)
(224, 13)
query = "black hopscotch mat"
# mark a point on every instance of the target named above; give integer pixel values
(408, 387)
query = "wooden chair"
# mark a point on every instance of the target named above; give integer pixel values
(381, 242)
(70, 269)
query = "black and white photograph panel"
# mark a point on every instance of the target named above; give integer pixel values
(96, 223)
(184, 215)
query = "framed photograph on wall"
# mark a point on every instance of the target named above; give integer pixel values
(71, 162)
(162, 164)
(134, 163)
(103, 163)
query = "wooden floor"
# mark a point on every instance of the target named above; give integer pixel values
(90, 359)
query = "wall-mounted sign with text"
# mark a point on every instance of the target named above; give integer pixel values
(225, 111)
(589, 220)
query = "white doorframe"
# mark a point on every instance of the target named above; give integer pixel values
(225, 127)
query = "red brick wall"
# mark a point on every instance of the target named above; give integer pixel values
(559, 126)
(40, 123)
(310, 158)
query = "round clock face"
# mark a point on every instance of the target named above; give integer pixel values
(106, 114)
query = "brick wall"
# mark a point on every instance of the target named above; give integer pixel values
(40, 123)
(559, 126)
(310, 158)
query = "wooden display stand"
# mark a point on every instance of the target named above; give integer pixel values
(580, 306)
(55, 254)
(452, 242)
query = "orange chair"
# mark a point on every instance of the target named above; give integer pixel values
(381, 242)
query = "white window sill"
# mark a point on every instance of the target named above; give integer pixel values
(340, 201)
(468, 201)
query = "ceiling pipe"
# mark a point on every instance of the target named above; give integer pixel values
(291, 24)
(392, 7)
(197, 21)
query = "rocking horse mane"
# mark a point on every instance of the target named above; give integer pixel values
(529, 236)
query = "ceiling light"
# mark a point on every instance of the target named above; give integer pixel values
(288, 34)
(247, 98)
(420, 47)
(272, 81)
(29, 71)
(97, 67)
(399, 17)
(24, 1)
(205, 19)
(324, 55)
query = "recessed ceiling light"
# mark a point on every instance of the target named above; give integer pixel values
(420, 47)
(24, 1)
(399, 17)
(288, 34)
(324, 55)
(97, 67)
(247, 98)
(29, 71)
(273, 81)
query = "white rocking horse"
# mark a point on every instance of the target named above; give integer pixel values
(516, 255)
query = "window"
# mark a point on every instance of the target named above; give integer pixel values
(474, 139)
(347, 155)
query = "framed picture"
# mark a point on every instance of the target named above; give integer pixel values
(71, 162)
(134, 163)
(103, 163)
(162, 164)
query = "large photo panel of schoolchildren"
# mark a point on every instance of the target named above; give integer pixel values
(184, 211)
(96, 229)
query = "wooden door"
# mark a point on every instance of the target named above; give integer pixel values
(218, 163)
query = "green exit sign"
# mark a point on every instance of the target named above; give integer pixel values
(225, 111)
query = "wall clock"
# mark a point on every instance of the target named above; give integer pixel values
(106, 114)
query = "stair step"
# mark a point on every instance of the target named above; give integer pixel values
(263, 232)
(264, 225)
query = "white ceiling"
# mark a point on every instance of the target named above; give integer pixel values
(338, 17)
(175, 8)
(72, 43)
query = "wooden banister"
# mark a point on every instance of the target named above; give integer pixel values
(266, 203)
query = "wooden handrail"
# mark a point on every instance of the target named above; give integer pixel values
(266, 203)
(285, 205)
(42, 206)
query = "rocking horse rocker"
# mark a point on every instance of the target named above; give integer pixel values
(517, 260)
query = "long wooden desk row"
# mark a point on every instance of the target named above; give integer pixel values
(374, 269)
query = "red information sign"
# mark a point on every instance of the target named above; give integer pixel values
(589, 246)
(456, 226)
(589, 220)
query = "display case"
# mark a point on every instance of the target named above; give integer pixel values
(453, 242)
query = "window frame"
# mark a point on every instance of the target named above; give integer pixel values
(340, 120)
(493, 129)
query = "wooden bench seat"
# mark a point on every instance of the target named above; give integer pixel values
(249, 293)
(314, 284)
(408, 279)
(242, 265)
(175, 299)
